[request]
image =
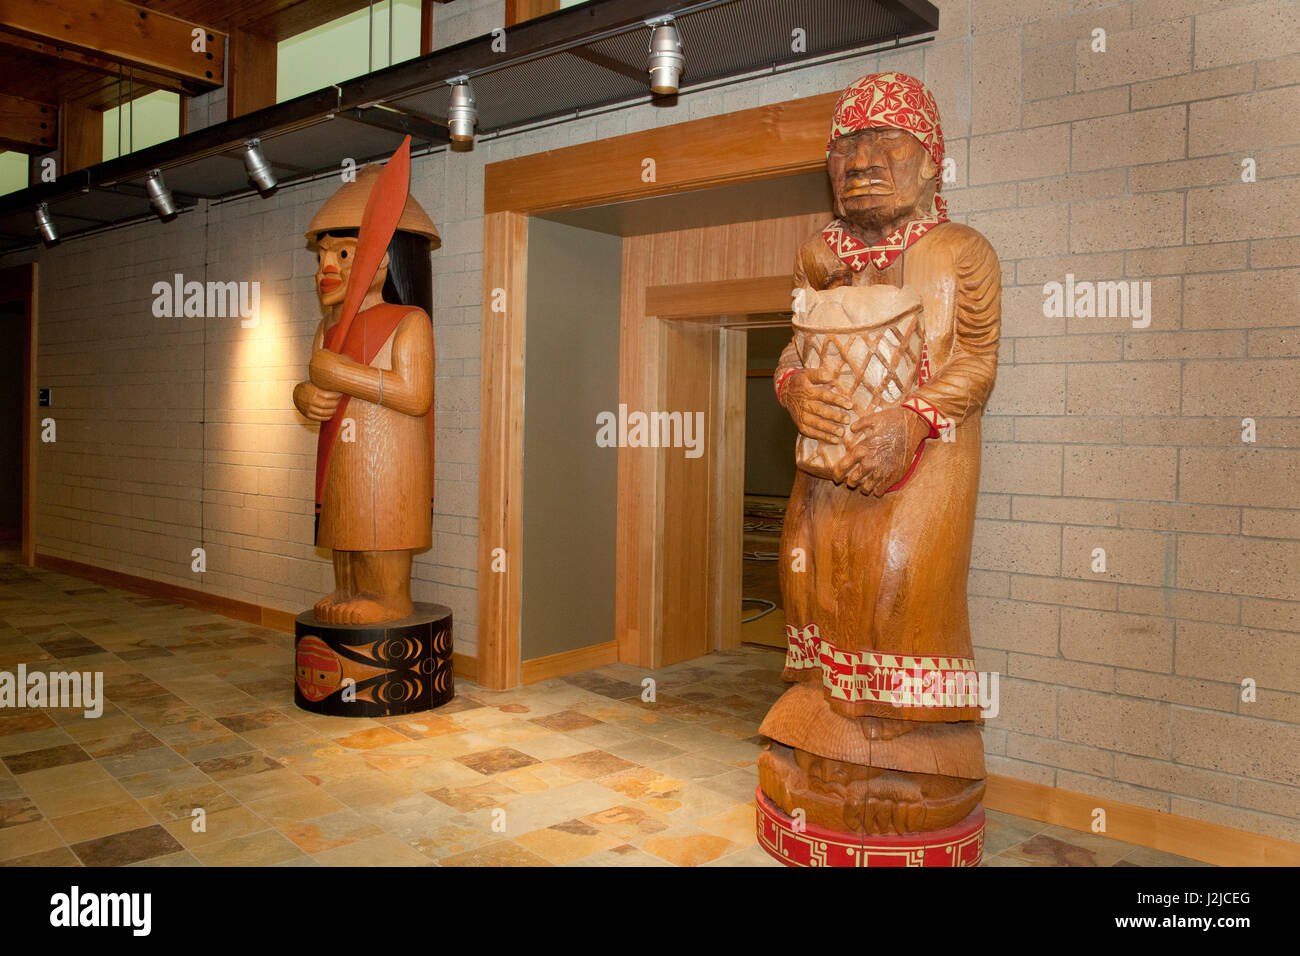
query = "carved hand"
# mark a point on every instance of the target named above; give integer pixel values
(315, 403)
(881, 449)
(327, 369)
(818, 411)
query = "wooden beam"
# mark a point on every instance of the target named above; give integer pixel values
(761, 143)
(26, 125)
(501, 449)
(517, 11)
(721, 297)
(81, 137)
(426, 27)
(144, 80)
(123, 32)
(251, 74)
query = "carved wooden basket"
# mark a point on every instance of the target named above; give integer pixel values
(870, 338)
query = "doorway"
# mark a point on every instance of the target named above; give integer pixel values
(11, 413)
(770, 436)
(18, 298)
(707, 243)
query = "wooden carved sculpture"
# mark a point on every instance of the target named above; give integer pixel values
(366, 650)
(371, 388)
(876, 753)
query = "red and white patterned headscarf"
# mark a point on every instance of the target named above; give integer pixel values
(902, 102)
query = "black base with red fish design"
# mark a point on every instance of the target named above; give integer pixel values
(374, 670)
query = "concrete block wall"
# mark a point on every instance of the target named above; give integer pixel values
(1118, 165)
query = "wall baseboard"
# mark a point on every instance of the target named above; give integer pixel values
(1181, 836)
(568, 662)
(464, 666)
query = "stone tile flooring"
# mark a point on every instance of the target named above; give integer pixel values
(200, 717)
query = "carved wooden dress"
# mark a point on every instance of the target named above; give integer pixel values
(376, 493)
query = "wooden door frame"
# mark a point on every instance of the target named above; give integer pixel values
(748, 303)
(20, 284)
(767, 142)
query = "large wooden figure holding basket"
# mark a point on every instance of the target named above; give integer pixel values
(876, 755)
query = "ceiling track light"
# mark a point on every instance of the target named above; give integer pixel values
(666, 58)
(462, 114)
(259, 170)
(160, 197)
(45, 225)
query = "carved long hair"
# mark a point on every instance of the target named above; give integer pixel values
(410, 271)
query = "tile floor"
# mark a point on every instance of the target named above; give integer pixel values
(200, 715)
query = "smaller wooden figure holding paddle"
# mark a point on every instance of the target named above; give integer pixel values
(371, 388)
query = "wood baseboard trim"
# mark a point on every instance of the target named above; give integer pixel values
(1181, 836)
(463, 665)
(568, 662)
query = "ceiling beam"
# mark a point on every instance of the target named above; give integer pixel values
(145, 80)
(144, 40)
(27, 126)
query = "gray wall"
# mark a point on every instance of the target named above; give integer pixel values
(570, 485)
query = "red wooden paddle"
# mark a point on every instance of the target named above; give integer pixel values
(378, 223)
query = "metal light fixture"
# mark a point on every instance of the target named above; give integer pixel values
(45, 225)
(160, 197)
(666, 58)
(462, 115)
(259, 170)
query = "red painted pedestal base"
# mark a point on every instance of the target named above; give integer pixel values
(960, 845)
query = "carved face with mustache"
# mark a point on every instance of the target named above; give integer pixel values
(881, 177)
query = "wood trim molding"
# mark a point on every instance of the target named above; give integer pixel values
(710, 300)
(761, 143)
(205, 600)
(1182, 836)
(464, 666)
(569, 662)
(501, 448)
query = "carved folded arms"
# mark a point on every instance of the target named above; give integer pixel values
(959, 383)
(407, 387)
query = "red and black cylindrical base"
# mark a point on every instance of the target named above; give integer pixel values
(374, 670)
(804, 844)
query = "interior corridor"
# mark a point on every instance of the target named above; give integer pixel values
(200, 716)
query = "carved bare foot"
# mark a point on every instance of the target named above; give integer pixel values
(371, 609)
(327, 609)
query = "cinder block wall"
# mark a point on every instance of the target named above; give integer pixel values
(1116, 165)
(1127, 165)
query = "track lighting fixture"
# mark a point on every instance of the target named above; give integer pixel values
(45, 225)
(160, 197)
(462, 115)
(259, 170)
(666, 58)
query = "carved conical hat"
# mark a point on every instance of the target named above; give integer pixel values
(343, 210)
